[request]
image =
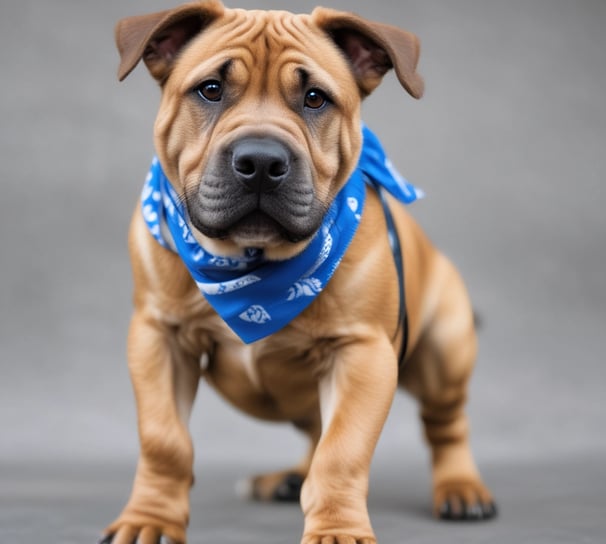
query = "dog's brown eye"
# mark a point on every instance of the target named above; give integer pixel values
(210, 90)
(315, 99)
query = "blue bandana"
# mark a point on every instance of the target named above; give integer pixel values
(254, 296)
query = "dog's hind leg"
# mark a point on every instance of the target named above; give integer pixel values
(437, 374)
(284, 485)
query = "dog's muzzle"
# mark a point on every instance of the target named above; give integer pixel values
(256, 191)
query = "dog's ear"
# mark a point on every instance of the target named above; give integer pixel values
(157, 38)
(373, 49)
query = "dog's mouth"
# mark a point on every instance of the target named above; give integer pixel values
(256, 229)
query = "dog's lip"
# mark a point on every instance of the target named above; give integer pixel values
(220, 210)
(260, 229)
(255, 229)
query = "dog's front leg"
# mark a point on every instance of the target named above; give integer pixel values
(355, 396)
(165, 380)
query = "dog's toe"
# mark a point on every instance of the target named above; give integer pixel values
(489, 510)
(340, 539)
(454, 510)
(129, 537)
(474, 512)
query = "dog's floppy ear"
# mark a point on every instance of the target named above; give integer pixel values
(157, 38)
(373, 49)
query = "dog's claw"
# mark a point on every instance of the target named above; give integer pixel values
(463, 500)
(489, 510)
(108, 539)
(289, 489)
(474, 512)
(444, 512)
(451, 511)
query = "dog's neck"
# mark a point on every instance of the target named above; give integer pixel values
(254, 296)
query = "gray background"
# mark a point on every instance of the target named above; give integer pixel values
(509, 143)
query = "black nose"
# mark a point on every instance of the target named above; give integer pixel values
(261, 164)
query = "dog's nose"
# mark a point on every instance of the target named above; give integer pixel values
(261, 164)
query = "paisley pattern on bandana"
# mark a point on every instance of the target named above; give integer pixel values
(256, 297)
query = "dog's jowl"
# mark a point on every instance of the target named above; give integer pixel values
(272, 242)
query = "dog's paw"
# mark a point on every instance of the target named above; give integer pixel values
(130, 534)
(463, 501)
(276, 487)
(131, 537)
(338, 539)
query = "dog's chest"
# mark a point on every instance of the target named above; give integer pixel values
(266, 380)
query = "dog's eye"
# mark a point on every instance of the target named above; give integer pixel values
(315, 99)
(211, 90)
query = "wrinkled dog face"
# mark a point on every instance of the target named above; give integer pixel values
(258, 125)
(261, 131)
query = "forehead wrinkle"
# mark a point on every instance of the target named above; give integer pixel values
(215, 65)
(241, 25)
(238, 28)
(245, 29)
(285, 44)
(234, 36)
(293, 41)
(289, 30)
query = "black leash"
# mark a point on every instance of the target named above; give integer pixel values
(396, 249)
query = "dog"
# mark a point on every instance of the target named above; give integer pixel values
(267, 261)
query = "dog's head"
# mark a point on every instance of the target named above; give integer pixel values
(259, 123)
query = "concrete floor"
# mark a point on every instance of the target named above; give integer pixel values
(546, 503)
(508, 143)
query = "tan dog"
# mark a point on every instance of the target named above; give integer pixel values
(287, 88)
